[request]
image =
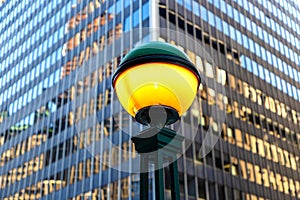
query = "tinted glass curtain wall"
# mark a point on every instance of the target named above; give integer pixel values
(57, 104)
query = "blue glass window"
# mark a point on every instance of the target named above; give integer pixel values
(279, 63)
(232, 32)
(203, 13)
(289, 87)
(274, 58)
(229, 11)
(223, 6)
(251, 45)
(127, 3)
(248, 24)
(295, 75)
(295, 95)
(245, 41)
(268, 23)
(211, 18)
(178, 1)
(267, 75)
(261, 72)
(245, 4)
(285, 68)
(266, 36)
(276, 44)
(243, 61)
(196, 8)
(273, 24)
(257, 49)
(111, 9)
(217, 3)
(242, 19)
(239, 37)
(255, 70)
(278, 81)
(118, 6)
(283, 83)
(254, 28)
(273, 80)
(269, 57)
(188, 4)
(135, 19)
(145, 11)
(236, 15)
(219, 23)
(225, 27)
(248, 64)
(260, 33)
(127, 24)
(290, 69)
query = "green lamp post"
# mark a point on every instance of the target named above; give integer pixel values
(156, 83)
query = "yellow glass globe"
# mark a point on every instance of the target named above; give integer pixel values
(156, 84)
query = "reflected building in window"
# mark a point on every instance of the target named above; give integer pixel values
(57, 107)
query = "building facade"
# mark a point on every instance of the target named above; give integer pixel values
(65, 136)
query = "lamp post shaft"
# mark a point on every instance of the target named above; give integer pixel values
(144, 176)
(159, 177)
(175, 190)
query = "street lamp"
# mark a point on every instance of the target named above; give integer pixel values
(156, 83)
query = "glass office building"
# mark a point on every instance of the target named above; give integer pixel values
(57, 58)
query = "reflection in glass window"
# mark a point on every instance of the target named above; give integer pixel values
(199, 64)
(209, 70)
(221, 76)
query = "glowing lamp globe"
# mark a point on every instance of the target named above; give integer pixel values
(153, 77)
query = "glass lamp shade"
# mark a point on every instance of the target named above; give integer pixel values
(161, 79)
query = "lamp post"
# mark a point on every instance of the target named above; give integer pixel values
(156, 83)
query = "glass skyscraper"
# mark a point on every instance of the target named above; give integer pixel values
(64, 135)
